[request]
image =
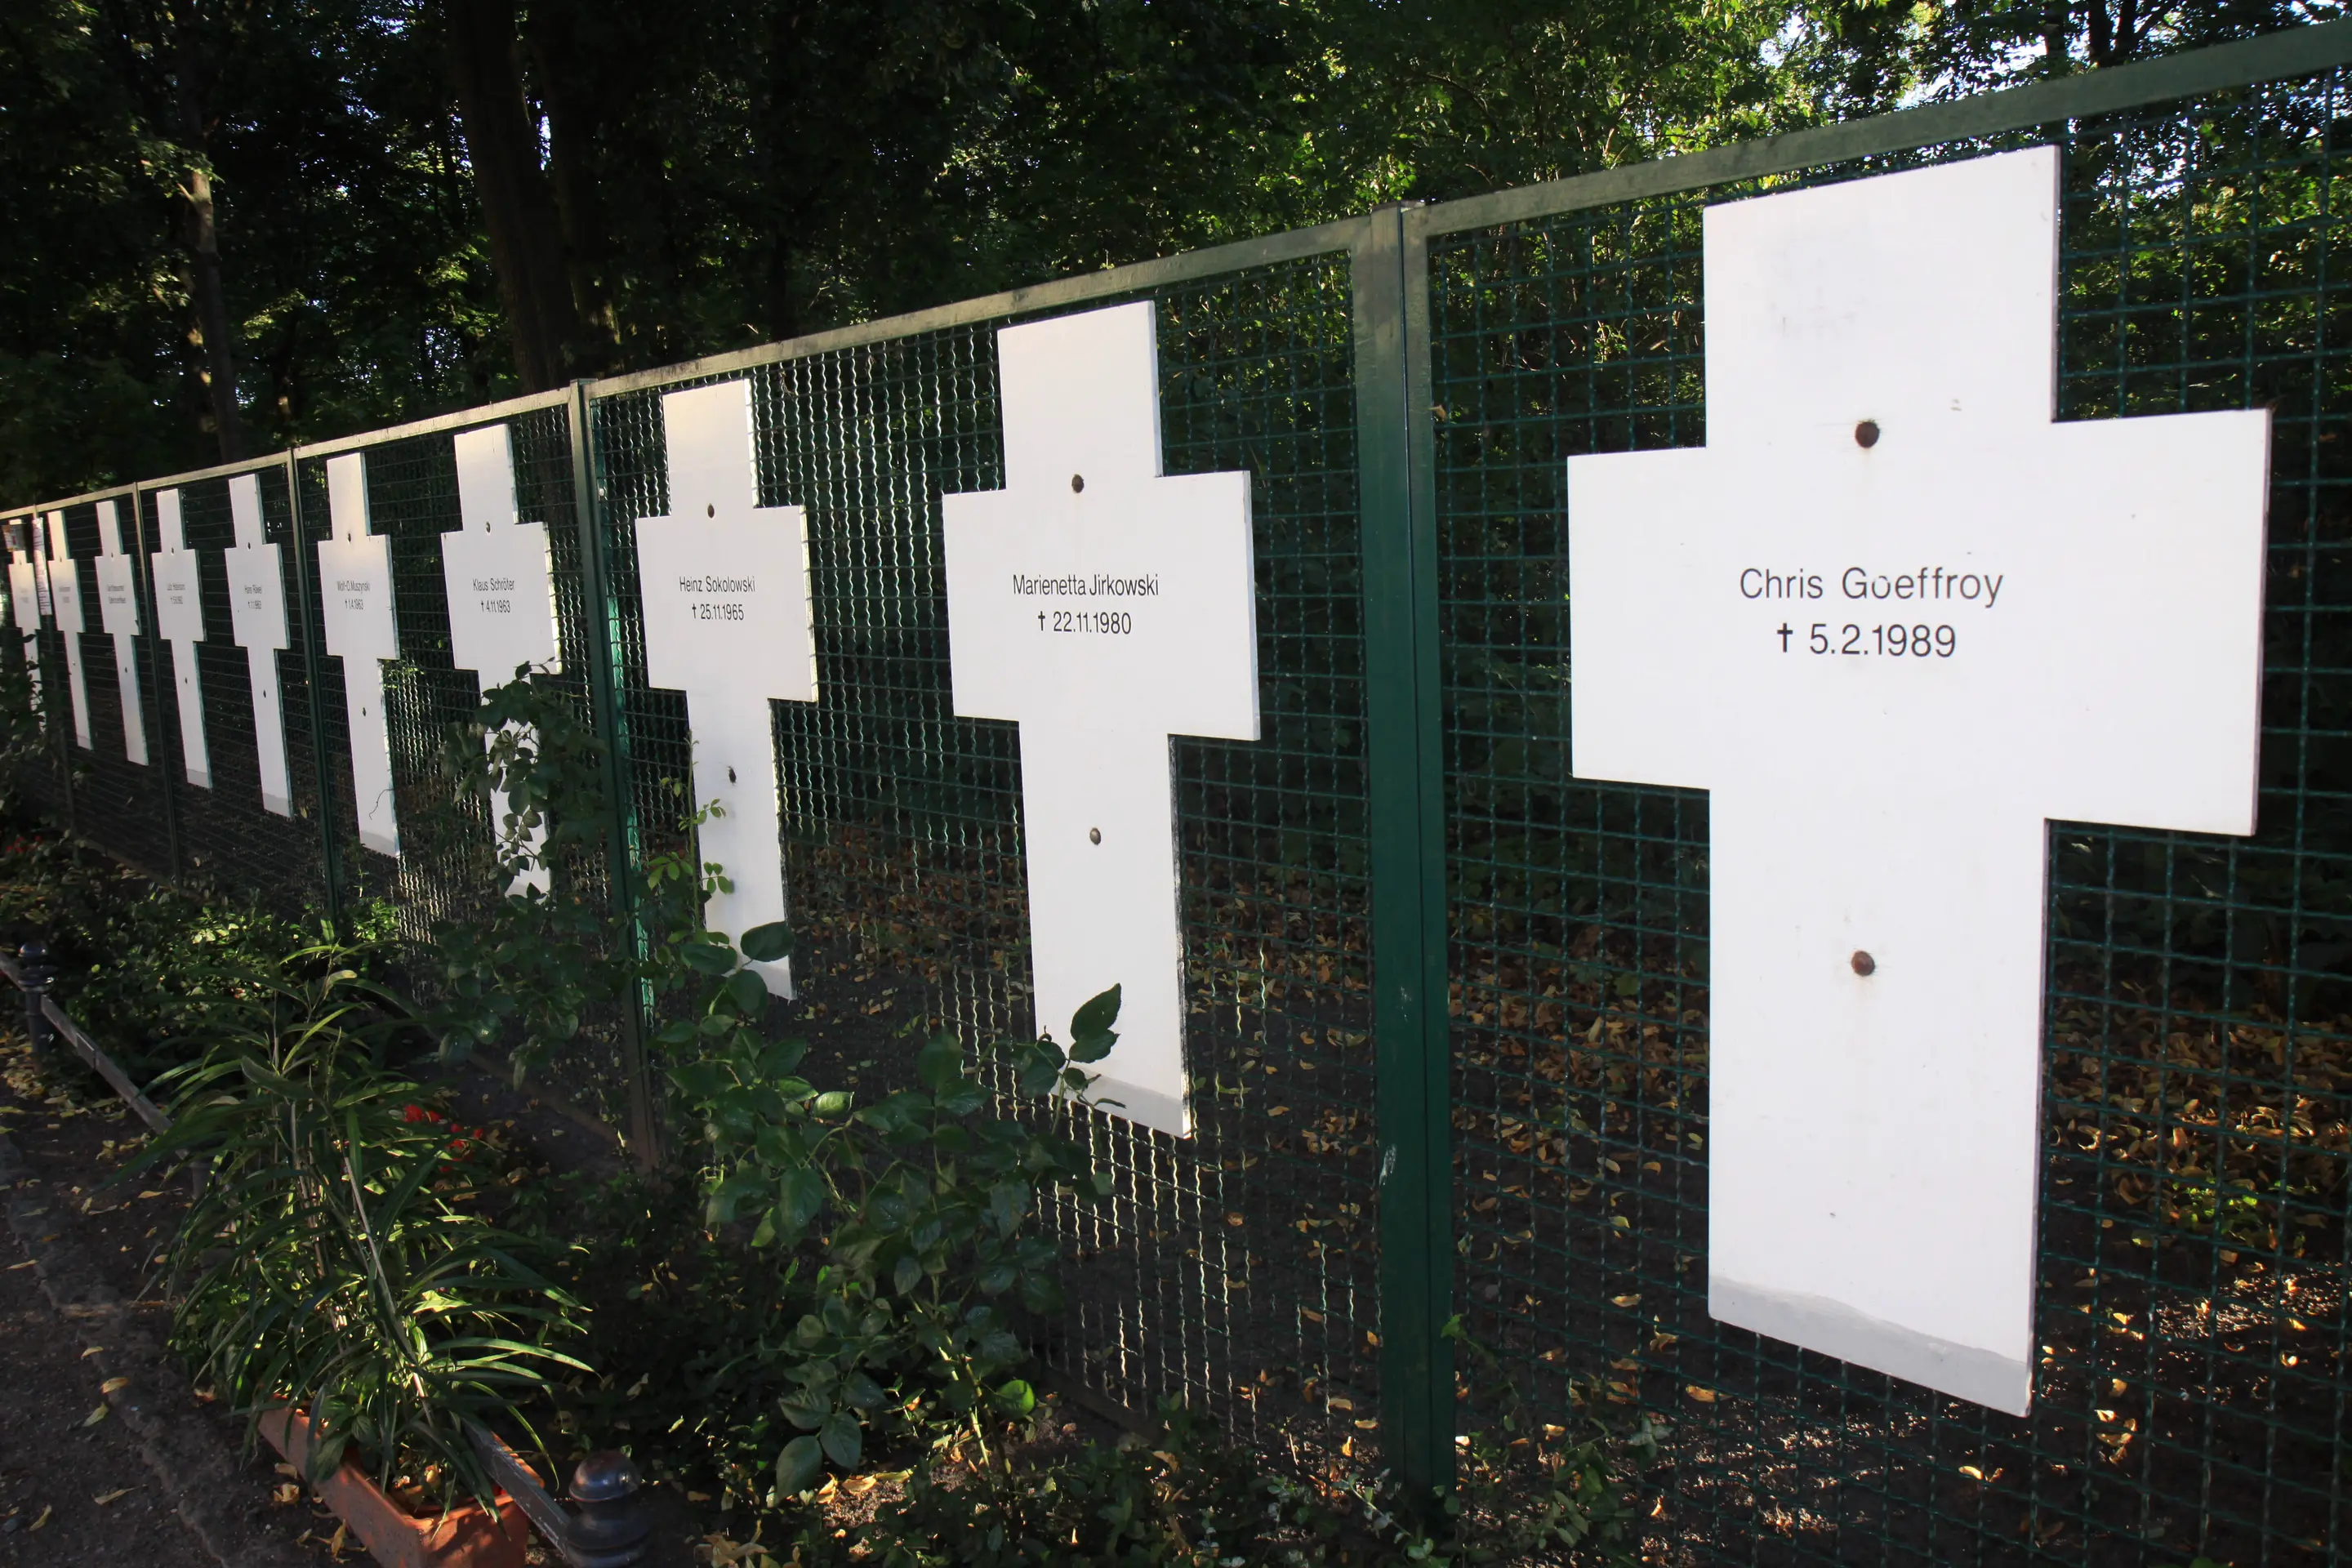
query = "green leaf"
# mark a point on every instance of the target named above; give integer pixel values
(708, 957)
(767, 943)
(907, 1274)
(1007, 1203)
(805, 1409)
(962, 1098)
(778, 1059)
(940, 1064)
(1091, 1037)
(748, 993)
(862, 1392)
(798, 1467)
(721, 1207)
(831, 1103)
(1041, 1293)
(843, 1440)
(800, 1195)
(1016, 1398)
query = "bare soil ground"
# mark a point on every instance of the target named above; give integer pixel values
(79, 1486)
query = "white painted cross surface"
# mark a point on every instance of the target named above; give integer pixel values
(64, 578)
(725, 586)
(1895, 620)
(355, 601)
(118, 608)
(501, 593)
(25, 600)
(257, 615)
(1105, 607)
(180, 621)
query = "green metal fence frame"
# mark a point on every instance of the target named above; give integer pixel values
(1387, 253)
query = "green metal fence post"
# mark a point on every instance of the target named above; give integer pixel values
(165, 683)
(603, 698)
(322, 787)
(63, 727)
(1408, 857)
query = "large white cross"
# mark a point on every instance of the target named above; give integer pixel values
(180, 621)
(724, 585)
(1105, 607)
(64, 575)
(501, 592)
(118, 610)
(28, 598)
(1895, 620)
(355, 600)
(257, 613)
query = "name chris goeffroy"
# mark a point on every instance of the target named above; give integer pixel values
(1888, 639)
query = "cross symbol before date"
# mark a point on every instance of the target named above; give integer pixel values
(1896, 620)
(1104, 607)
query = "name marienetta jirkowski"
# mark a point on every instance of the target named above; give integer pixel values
(1932, 583)
(1076, 586)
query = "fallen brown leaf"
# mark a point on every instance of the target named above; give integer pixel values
(103, 1499)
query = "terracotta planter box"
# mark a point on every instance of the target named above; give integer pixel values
(464, 1537)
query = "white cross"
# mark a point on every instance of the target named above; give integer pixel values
(355, 600)
(257, 613)
(180, 621)
(1882, 474)
(1103, 607)
(64, 575)
(501, 592)
(118, 609)
(28, 598)
(725, 586)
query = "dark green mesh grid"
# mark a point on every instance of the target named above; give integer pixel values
(445, 871)
(227, 835)
(1236, 1267)
(2191, 1318)
(37, 778)
(2193, 1223)
(117, 803)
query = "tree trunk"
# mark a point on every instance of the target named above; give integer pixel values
(206, 288)
(212, 314)
(502, 145)
(574, 127)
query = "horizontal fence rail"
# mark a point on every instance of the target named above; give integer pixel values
(1446, 1004)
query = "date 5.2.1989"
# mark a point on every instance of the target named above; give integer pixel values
(1895, 641)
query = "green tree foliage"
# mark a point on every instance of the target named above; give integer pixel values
(242, 222)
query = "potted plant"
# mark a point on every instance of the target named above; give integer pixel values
(338, 1281)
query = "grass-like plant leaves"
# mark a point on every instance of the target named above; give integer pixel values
(338, 1259)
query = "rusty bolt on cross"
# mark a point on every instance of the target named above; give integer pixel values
(609, 1530)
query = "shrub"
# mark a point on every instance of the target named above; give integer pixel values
(338, 1259)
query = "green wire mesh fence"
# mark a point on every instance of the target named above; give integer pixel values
(2191, 1315)
(1225, 1269)
(2197, 1115)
